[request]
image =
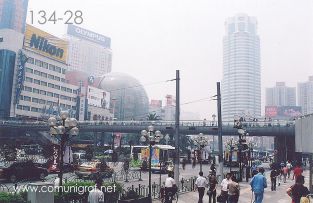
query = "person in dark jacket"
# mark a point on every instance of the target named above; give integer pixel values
(298, 190)
(273, 176)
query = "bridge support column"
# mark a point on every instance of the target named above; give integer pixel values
(285, 146)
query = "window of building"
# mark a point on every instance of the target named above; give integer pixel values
(27, 98)
(34, 109)
(29, 70)
(37, 62)
(35, 100)
(51, 67)
(37, 81)
(56, 95)
(74, 100)
(57, 87)
(30, 60)
(42, 101)
(49, 102)
(62, 80)
(36, 72)
(43, 83)
(68, 106)
(51, 85)
(50, 94)
(35, 90)
(26, 108)
(43, 74)
(63, 89)
(74, 91)
(50, 76)
(44, 65)
(43, 92)
(27, 79)
(57, 78)
(21, 97)
(28, 89)
(69, 90)
(58, 69)
(63, 71)
(19, 107)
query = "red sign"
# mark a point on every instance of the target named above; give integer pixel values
(271, 111)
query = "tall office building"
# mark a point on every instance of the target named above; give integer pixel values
(281, 95)
(13, 14)
(305, 96)
(89, 52)
(241, 84)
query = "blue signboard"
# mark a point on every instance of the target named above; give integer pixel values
(21, 61)
(89, 35)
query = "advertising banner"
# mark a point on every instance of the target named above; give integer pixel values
(289, 111)
(155, 155)
(98, 97)
(271, 111)
(89, 35)
(21, 61)
(45, 44)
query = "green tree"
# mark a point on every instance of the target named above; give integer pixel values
(153, 117)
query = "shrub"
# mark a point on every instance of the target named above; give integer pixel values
(6, 197)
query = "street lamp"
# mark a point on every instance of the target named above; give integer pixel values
(201, 142)
(151, 137)
(63, 129)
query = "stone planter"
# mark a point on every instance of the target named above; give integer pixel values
(139, 200)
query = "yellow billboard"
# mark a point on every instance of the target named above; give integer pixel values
(45, 44)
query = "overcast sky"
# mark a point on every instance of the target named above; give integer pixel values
(150, 39)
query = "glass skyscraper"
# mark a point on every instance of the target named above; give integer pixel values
(13, 14)
(241, 84)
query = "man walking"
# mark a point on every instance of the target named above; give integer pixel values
(224, 187)
(170, 186)
(212, 188)
(273, 175)
(258, 183)
(96, 195)
(201, 183)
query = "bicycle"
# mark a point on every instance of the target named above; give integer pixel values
(172, 197)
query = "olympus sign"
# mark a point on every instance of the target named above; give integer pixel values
(42, 44)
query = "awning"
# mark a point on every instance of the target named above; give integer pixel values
(164, 147)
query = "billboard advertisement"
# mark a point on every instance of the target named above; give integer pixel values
(45, 44)
(282, 111)
(271, 111)
(98, 97)
(88, 35)
(155, 155)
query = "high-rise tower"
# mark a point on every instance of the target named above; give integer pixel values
(241, 84)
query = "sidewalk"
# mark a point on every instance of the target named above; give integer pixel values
(278, 196)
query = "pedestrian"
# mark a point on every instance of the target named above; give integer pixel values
(258, 183)
(184, 163)
(254, 170)
(200, 184)
(96, 195)
(274, 174)
(212, 187)
(289, 166)
(285, 173)
(224, 187)
(297, 171)
(233, 190)
(170, 187)
(298, 190)
(248, 173)
(193, 162)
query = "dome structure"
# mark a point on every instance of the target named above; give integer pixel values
(128, 98)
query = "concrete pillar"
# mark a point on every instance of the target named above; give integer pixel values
(40, 192)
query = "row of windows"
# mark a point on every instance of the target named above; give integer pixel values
(43, 83)
(51, 94)
(34, 109)
(45, 75)
(47, 102)
(46, 65)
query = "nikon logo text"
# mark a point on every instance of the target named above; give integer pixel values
(43, 45)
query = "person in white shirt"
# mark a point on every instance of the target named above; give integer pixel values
(201, 183)
(224, 187)
(289, 166)
(96, 195)
(170, 187)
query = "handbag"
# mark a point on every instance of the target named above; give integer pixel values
(304, 200)
(209, 192)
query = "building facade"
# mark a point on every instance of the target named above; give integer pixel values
(281, 95)
(89, 52)
(241, 84)
(13, 14)
(305, 96)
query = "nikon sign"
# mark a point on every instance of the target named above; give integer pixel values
(45, 44)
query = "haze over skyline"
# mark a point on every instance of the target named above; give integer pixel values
(151, 39)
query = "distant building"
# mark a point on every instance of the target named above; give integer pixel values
(281, 95)
(155, 107)
(305, 96)
(89, 52)
(169, 108)
(13, 14)
(241, 84)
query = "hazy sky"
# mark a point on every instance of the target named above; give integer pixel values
(150, 39)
